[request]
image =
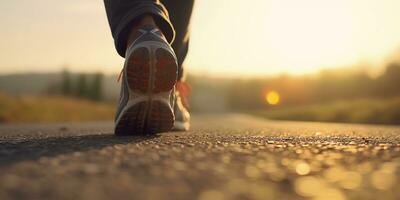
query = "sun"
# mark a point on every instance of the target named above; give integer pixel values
(272, 97)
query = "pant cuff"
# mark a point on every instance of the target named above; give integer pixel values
(123, 28)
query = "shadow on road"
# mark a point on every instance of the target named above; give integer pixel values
(17, 150)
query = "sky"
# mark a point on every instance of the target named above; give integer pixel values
(229, 37)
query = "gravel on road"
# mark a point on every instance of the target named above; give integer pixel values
(227, 156)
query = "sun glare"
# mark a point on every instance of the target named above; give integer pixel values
(288, 36)
(228, 37)
(311, 33)
(272, 97)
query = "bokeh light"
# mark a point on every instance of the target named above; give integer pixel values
(302, 168)
(272, 97)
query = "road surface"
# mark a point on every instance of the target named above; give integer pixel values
(228, 156)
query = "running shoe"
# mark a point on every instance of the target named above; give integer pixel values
(148, 78)
(182, 116)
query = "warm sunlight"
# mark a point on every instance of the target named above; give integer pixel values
(272, 97)
(200, 99)
(312, 33)
(229, 37)
(290, 36)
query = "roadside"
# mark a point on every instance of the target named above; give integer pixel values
(31, 109)
(25, 108)
(366, 111)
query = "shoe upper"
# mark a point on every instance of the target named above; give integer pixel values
(146, 33)
(182, 115)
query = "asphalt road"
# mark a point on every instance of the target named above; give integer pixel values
(223, 157)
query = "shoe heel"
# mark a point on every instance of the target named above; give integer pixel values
(151, 71)
(160, 118)
(138, 70)
(165, 71)
(132, 121)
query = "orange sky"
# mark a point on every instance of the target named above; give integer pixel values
(229, 37)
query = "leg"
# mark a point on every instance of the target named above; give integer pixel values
(123, 14)
(180, 13)
(142, 34)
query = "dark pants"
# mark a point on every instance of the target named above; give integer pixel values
(172, 17)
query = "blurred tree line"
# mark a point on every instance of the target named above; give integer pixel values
(87, 86)
(327, 86)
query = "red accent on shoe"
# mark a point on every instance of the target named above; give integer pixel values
(185, 90)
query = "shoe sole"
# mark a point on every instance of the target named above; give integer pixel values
(181, 126)
(151, 75)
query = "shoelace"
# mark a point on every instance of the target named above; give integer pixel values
(185, 90)
(121, 74)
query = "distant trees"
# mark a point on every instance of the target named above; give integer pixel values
(388, 84)
(95, 92)
(81, 87)
(66, 85)
(88, 86)
(327, 86)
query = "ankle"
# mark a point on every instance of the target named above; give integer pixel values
(146, 20)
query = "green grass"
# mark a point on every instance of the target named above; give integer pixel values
(52, 109)
(371, 111)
